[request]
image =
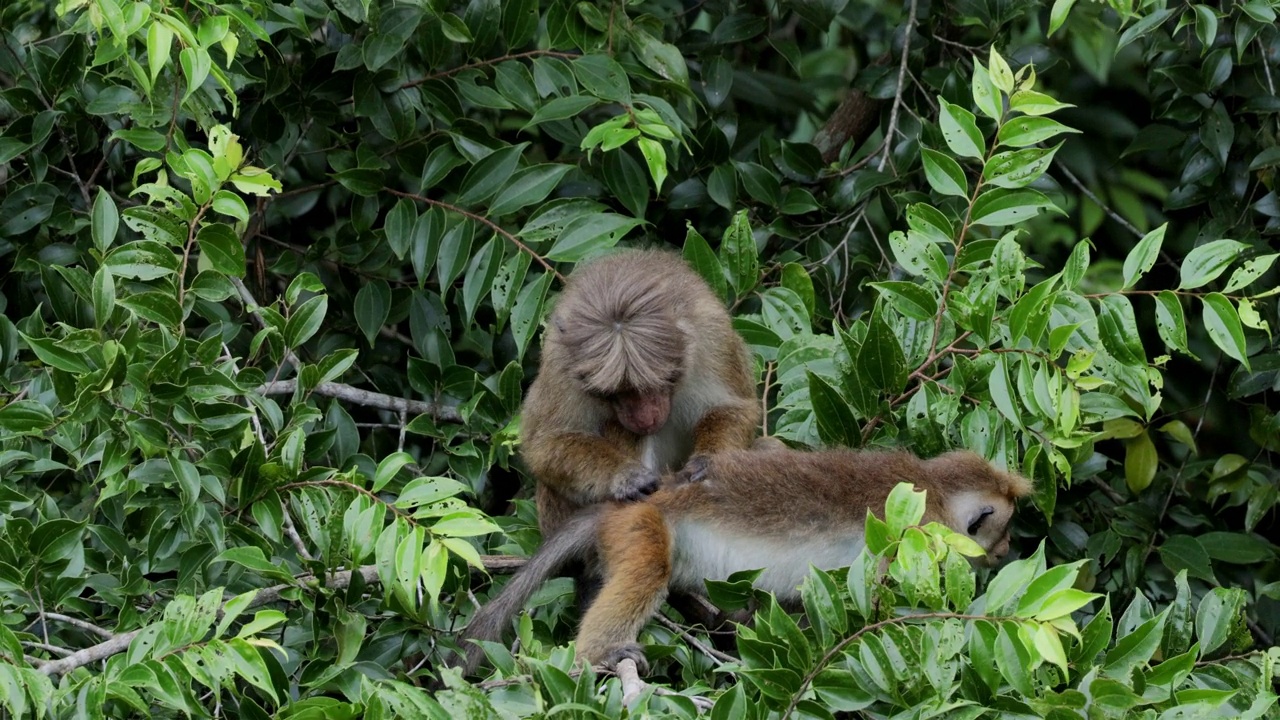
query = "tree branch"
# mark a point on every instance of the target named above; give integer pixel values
(368, 398)
(335, 581)
(853, 119)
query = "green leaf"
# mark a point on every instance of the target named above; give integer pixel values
(305, 320)
(528, 186)
(25, 417)
(1018, 168)
(251, 557)
(904, 508)
(662, 58)
(561, 109)
(796, 279)
(881, 362)
(486, 177)
(1118, 330)
(1002, 392)
(1183, 552)
(603, 77)
(1135, 649)
(1140, 462)
(918, 255)
(960, 130)
(1170, 322)
(945, 175)
(985, 93)
(220, 247)
(1029, 130)
(231, 205)
(1219, 610)
(700, 256)
(831, 414)
(158, 307)
(1207, 262)
(399, 226)
(1206, 27)
(105, 221)
(159, 44)
(1223, 325)
(1058, 14)
(587, 235)
(104, 296)
(479, 276)
(908, 298)
(373, 305)
(739, 255)
(528, 310)
(1077, 265)
(998, 207)
(1251, 270)
(656, 159)
(1036, 103)
(1143, 255)
(196, 64)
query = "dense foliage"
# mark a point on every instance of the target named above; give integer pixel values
(276, 274)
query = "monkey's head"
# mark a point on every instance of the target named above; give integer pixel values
(980, 499)
(624, 345)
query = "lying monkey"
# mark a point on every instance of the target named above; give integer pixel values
(778, 510)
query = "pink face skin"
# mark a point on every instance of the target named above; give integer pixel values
(642, 413)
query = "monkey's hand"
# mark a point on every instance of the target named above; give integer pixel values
(694, 471)
(628, 651)
(637, 482)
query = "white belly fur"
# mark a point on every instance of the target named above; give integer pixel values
(702, 553)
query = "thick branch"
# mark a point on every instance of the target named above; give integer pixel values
(368, 398)
(854, 119)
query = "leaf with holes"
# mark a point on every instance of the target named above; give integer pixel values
(999, 207)
(1205, 263)
(1143, 255)
(960, 130)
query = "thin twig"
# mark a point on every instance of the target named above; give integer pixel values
(368, 398)
(83, 625)
(1098, 201)
(59, 651)
(683, 632)
(483, 221)
(897, 95)
(292, 533)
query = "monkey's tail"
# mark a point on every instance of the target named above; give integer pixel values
(573, 541)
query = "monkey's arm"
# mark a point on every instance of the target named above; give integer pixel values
(588, 469)
(728, 427)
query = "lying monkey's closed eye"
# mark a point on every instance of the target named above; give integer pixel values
(976, 524)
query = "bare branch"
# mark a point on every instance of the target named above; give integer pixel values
(897, 95)
(77, 622)
(368, 398)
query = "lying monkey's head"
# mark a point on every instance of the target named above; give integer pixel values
(980, 499)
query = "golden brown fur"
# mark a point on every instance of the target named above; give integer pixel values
(776, 510)
(641, 369)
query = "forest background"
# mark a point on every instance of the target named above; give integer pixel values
(276, 274)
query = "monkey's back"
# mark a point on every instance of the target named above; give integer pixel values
(770, 492)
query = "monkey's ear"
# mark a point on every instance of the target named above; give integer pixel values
(976, 524)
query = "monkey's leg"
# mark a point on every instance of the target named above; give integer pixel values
(635, 549)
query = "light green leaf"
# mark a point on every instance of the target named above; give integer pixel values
(1207, 262)
(1223, 325)
(960, 130)
(1143, 255)
(944, 174)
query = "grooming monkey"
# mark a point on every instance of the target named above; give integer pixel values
(641, 369)
(778, 510)
(642, 373)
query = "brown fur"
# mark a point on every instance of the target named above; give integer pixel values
(630, 329)
(781, 508)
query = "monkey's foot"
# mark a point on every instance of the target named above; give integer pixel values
(628, 651)
(694, 471)
(636, 484)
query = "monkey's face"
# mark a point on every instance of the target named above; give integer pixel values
(984, 517)
(642, 413)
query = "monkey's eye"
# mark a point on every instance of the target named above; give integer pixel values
(976, 524)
